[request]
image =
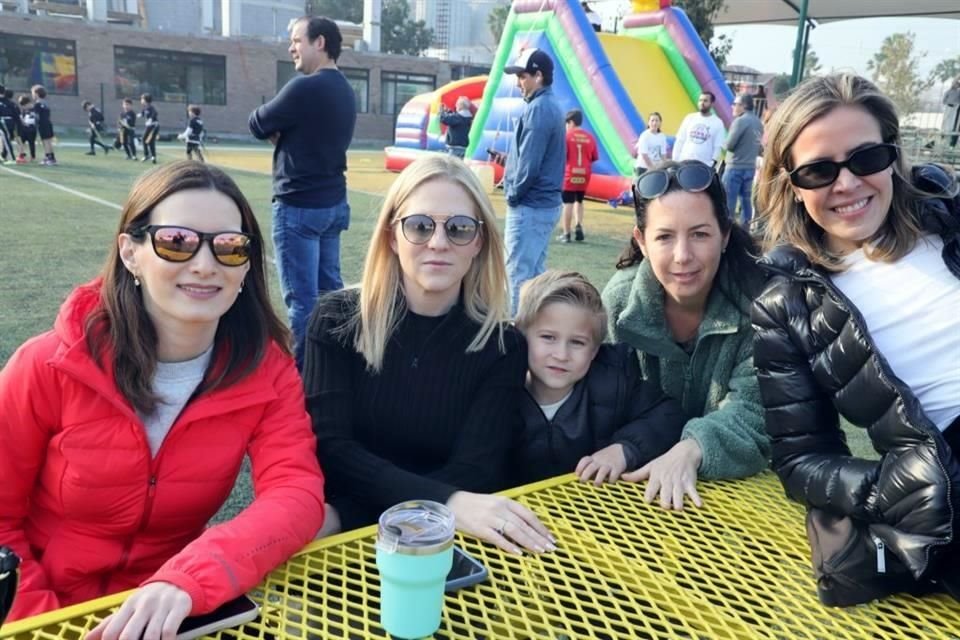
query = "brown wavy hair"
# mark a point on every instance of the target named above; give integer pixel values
(785, 221)
(121, 326)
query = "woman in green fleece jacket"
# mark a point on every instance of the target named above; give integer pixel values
(681, 297)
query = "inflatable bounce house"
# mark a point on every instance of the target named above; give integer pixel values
(656, 62)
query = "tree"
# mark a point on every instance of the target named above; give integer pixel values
(398, 33)
(895, 70)
(811, 63)
(349, 10)
(497, 20)
(702, 14)
(946, 70)
(401, 34)
(781, 86)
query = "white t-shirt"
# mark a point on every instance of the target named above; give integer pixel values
(912, 311)
(550, 410)
(699, 138)
(652, 144)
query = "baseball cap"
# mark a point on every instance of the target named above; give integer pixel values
(531, 61)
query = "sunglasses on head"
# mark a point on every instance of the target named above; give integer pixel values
(419, 228)
(179, 244)
(862, 162)
(691, 176)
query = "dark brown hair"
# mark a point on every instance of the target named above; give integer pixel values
(744, 276)
(121, 325)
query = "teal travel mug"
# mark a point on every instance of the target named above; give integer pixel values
(414, 556)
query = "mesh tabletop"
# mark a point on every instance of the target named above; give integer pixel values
(737, 568)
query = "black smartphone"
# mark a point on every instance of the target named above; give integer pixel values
(466, 570)
(230, 614)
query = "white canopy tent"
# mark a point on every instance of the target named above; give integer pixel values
(806, 14)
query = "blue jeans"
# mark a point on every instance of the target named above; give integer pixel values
(739, 183)
(527, 237)
(307, 242)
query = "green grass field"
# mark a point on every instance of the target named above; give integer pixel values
(57, 239)
(59, 222)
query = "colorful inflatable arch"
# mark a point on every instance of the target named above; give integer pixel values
(418, 125)
(656, 63)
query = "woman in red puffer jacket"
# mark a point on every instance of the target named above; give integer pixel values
(123, 429)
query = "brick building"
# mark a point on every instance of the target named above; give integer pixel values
(79, 59)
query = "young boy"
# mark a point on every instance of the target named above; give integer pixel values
(194, 133)
(587, 408)
(127, 127)
(151, 127)
(44, 124)
(9, 118)
(28, 130)
(581, 154)
(95, 123)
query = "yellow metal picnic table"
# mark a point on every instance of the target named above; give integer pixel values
(738, 568)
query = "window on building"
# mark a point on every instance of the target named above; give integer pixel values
(170, 76)
(285, 71)
(466, 70)
(359, 79)
(396, 89)
(29, 60)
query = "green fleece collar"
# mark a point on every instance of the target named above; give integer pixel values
(643, 324)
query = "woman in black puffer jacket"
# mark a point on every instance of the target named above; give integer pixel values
(860, 320)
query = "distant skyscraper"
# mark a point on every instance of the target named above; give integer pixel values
(460, 30)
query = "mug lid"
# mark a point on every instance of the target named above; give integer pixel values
(416, 526)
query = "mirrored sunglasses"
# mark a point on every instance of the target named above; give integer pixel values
(179, 244)
(419, 228)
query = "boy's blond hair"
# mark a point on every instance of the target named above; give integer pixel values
(568, 287)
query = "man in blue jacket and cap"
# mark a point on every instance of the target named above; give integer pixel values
(533, 176)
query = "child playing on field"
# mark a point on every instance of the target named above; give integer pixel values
(44, 123)
(95, 127)
(194, 133)
(151, 128)
(127, 128)
(28, 130)
(587, 408)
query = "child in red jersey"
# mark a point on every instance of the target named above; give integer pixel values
(581, 154)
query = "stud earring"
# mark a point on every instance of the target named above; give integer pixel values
(136, 281)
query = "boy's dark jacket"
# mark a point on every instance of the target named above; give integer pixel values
(611, 404)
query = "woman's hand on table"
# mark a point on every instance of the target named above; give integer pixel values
(605, 465)
(673, 475)
(500, 521)
(153, 612)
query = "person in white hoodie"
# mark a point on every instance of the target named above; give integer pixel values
(701, 134)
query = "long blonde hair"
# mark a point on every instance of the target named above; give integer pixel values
(785, 221)
(484, 287)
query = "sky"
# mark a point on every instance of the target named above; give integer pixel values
(842, 45)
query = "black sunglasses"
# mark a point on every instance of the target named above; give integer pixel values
(179, 244)
(862, 162)
(692, 176)
(419, 228)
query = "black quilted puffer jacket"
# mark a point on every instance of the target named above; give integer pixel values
(815, 360)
